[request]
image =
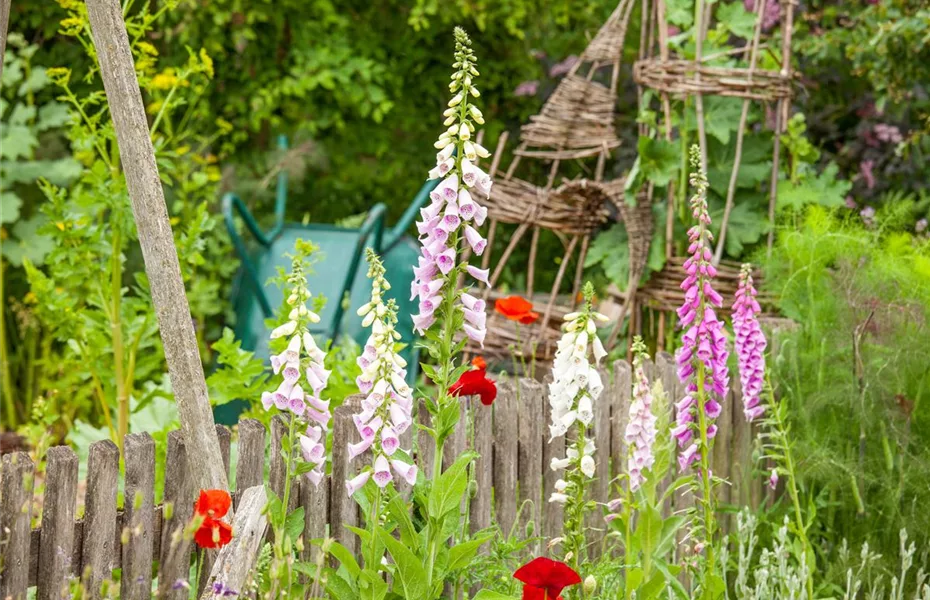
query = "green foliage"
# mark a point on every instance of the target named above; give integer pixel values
(91, 294)
(853, 372)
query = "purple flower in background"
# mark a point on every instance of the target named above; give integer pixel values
(750, 344)
(563, 67)
(888, 133)
(773, 479)
(704, 344)
(865, 170)
(640, 432)
(868, 215)
(527, 88)
(672, 31)
(921, 226)
(771, 13)
(850, 203)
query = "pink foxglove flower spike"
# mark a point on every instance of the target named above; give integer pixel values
(449, 223)
(303, 376)
(750, 345)
(640, 432)
(703, 353)
(386, 411)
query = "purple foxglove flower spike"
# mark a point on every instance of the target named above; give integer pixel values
(703, 341)
(750, 345)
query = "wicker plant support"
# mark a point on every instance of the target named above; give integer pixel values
(576, 123)
(671, 76)
(678, 77)
(664, 292)
(640, 225)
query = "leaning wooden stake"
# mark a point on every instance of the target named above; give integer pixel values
(4, 27)
(161, 259)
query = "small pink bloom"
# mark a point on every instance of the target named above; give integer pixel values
(357, 483)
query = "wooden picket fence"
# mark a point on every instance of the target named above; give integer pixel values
(512, 471)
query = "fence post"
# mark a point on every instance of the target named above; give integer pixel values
(622, 391)
(601, 437)
(343, 508)
(250, 466)
(16, 484)
(529, 451)
(57, 539)
(506, 417)
(480, 508)
(98, 551)
(139, 517)
(174, 563)
(137, 155)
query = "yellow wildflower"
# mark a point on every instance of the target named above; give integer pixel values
(164, 80)
(147, 48)
(207, 62)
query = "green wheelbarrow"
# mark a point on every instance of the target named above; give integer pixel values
(339, 274)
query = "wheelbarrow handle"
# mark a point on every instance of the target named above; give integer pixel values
(394, 236)
(373, 227)
(232, 204)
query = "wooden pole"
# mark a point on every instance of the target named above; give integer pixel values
(161, 259)
(740, 132)
(4, 27)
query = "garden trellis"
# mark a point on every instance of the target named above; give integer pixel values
(677, 77)
(512, 471)
(575, 124)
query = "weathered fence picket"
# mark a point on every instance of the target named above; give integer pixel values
(511, 438)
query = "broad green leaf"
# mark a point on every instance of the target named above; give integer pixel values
(634, 578)
(460, 555)
(52, 116)
(739, 21)
(649, 530)
(658, 159)
(22, 114)
(27, 243)
(345, 558)
(18, 142)
(36, 81)
(409, 572)
(652, 588)
(371, 585)
(670, 572)
(823, 189)
(397, 509)
(294, 525)
(448, 491)
(9, 207)
(339, 588)
(670, 527)
(680, 13)
(747, 224)
(721, 117)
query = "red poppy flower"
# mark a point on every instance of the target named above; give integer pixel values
(212, 505)
(517, 309)
(476, 383)
(544, 578)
